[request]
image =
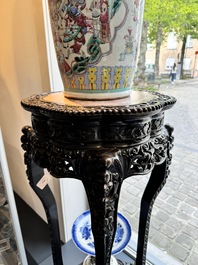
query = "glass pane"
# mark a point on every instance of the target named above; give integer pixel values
(172, 41)
(174, 220)
(8, 245)
(169, 63)
(186, 65)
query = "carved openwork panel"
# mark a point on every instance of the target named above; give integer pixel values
(62, 161)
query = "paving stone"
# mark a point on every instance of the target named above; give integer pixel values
(196, 214)
(145, 180)
(176, 180)
(195, 196)
(193, 259)
(162, 216)
(182, 216)
(186, 191)
(173, 201)
(152, 232)
(185, 241)
(171, 185)
(134, 222)
(167, 190)
(194, 222)
(179, 252)
(137, 215)
(170, 209)
(134, 190)
(162, 196)
(175, 223)
(158, 202)
(161, 241)
(196, 249)
(169, 231)
(155, 223)
(140, 185)
(125, 184)
(192, 201)
(127, 197)
(191, 231)
(130, 208)
(154, 210)
(180, 196)
(186, 208)
(189, 185)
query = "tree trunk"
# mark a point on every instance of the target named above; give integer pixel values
(182, 55)
(158, 46)
(140, 78)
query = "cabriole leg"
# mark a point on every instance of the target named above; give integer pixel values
(102, 178)
(35, 173)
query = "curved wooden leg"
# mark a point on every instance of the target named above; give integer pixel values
(155, 184)
(102, 178)
(35, 174)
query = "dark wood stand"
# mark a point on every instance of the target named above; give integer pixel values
(100, 143)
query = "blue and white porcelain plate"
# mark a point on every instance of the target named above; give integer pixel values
(83, 237)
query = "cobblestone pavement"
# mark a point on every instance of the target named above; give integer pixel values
(174, 221)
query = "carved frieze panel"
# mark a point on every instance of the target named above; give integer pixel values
(157, 124)
(75, 132)
(62, 161)
(131, 131)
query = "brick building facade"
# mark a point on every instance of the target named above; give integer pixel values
(170, 53)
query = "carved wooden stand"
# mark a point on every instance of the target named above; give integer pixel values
(101, 144)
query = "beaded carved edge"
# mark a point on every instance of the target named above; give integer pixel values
(35, 103)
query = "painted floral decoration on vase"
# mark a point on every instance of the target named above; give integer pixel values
(96, 43)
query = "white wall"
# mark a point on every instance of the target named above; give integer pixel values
(23, 71)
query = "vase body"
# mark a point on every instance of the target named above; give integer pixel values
(96, 43)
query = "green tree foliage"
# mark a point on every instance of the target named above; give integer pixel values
(186, 18)
(161, 15)
(164, 16)
(186, 23)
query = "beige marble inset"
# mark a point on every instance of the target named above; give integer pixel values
(136, 97)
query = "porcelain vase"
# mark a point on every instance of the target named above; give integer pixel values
(96, 43)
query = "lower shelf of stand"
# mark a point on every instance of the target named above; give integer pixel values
(37, 243)
(72, 256)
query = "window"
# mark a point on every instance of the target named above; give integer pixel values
(149, 65)
(189, 42)
(169, 63)
(149, 47)
(172, 41)
(186, 64)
